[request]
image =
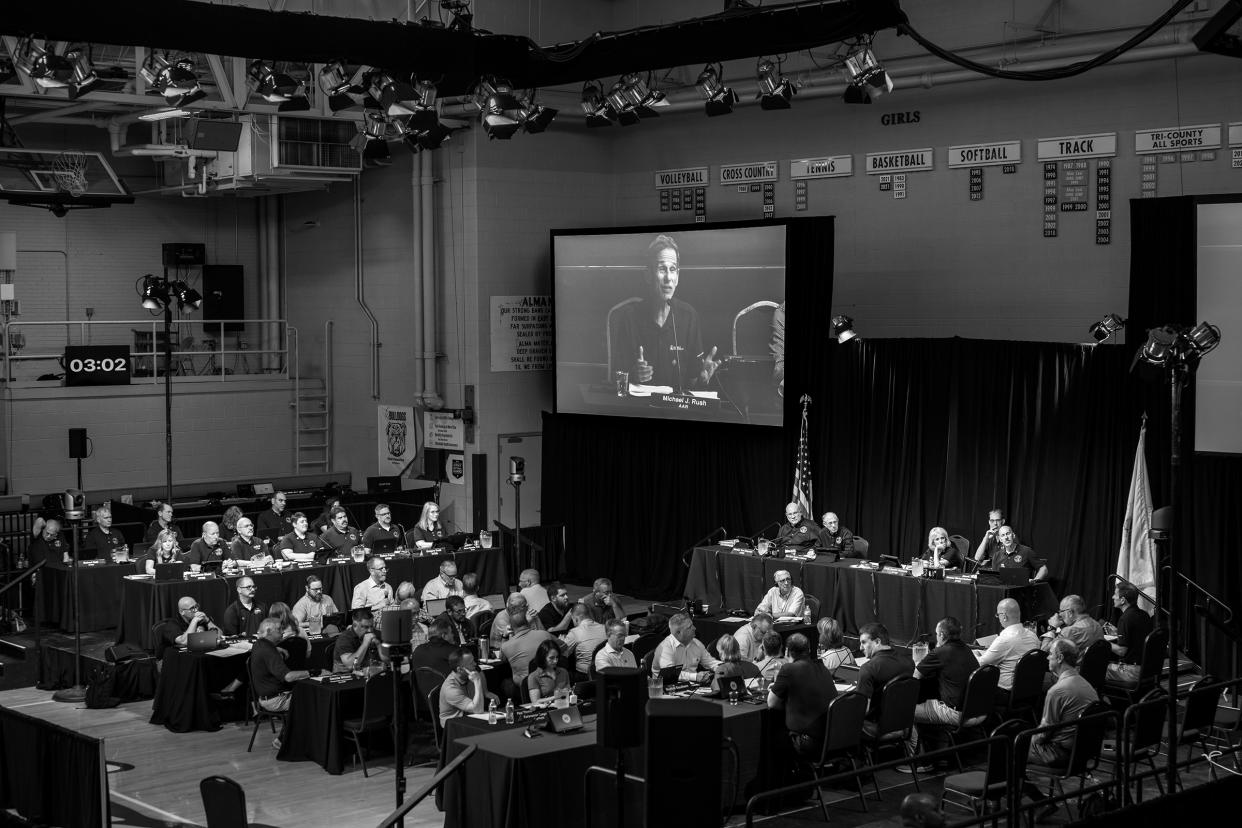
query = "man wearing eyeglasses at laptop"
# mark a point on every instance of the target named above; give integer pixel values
(383, 528)
(374, 593)
(682, 649)
(313, 606)
(175, 632)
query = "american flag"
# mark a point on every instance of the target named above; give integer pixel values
(802, 491)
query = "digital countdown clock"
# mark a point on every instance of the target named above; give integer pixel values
(97, 365)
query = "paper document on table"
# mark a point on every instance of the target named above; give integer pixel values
(732, 620)
(860, 660)
(232, 650)
(483, 717)
(985, 642)
(706, 395)
(843, 688)
(787, 618)
(648, 390)
(630, 639)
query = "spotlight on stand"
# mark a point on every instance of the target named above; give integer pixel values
(502, 112)
(154, 293)
(1203, 338)
(843, 328)
(720, 98)
(186, 296)
(176, 82)
(1106, 327)
(1170, 347)
(595, 105)
(775, 90)
(865, 76)
(278, 88)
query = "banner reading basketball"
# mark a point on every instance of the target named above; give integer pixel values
(398, 444)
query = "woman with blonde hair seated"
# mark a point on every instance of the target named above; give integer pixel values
(832, 649)
(731, 662)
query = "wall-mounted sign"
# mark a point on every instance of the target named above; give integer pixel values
(831, 166)
(685, 177)
(1235, 135)
(441, 430)
(911, 160)
(746, 173)
(397, 443)
(455, 468)
(521, 333)
(985, 155)
(1168, 139)
(1077, 146)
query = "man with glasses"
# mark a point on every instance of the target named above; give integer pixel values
(990, 543)
(1072, 623)
(247, 547)
(164, 520)
(798, 532)
(175, 632)
(1008, 648)
(242, 617)
(313, 606)
(383, 528)
(208, 548)
(444, 584)
(462, 628)
(275, 519)
(374, 593)
(783, 600)
(1013, 555)
(682, 649)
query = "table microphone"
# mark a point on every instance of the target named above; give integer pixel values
(755, 538)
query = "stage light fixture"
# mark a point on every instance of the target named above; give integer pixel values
(186, 296)
(396, 98)
(154, 293)
(775, 90)
(371, 141)
(176, 82)
(342, 89)
(278, 88)
(866, 77)
(1106, 327)
(640, 97)
(49, 70)
(1158, 350)
(843, 328)
(536, 118)
(595, 105)
(1203, 338)
(720, 98)
(619, 105)
(502, 112)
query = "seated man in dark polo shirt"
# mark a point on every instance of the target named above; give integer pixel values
(883, 665)
(164, 520)
(247, 546)
(383, 528)
(803, 689)
(175, 632)
(271, 676)
(1133, 627)
(798, 532)
(49, 546)
(275, 519)
(836, 538)
(301, 545)
(943, 674)
(1010, 554)
(102, 541)
(358, 647)
(435, 652)
(242, 617)
(340, 537)
(208, 548)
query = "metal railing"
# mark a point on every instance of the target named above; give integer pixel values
(396, 817)
(201, 355)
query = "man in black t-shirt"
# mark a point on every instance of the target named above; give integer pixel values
(555, 614)
(798, 532)
(102, 541)
(803, 689)
(49, 546)
(247, 546)
(883, 665)
(944, 673)
(1011, 554)
(208, 548)
(275, 518)
(271, 676)
(242, 617)
(358, 646)
(175, 632)
(1133, 627)
(164, 520)
(340, 537)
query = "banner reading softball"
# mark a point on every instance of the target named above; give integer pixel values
(397, 438)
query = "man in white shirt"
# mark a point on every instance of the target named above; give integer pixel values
(373, 593)
(614, 652)
(528, 585)
(784, 599)
(682, 649)
(1013, 642)
(749, 637)
(470, 590)
(443, 585)
(586, 635)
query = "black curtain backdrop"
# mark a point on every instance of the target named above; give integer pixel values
(50, 774)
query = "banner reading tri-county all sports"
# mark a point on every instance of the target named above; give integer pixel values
(398, 442)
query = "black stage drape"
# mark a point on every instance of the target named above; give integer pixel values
(50, 774)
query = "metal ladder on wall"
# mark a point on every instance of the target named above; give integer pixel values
(314, 426)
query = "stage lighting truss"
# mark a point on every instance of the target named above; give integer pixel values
(176, 80)
(866, 77)
(501, 112)
(775, 90)
(1106, 327)
(720, 98)
(1171, 347)
(843, 328)
(278, 88)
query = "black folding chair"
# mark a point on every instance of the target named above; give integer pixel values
(1198, 721)
(224, 802)
(894, 724)
(257, 710)
(1085, 756)
(813, 603)
(977, 704)
(377, 707)
(843, 734)
(1028, 686)
(1094, 664)
(1142, 732)
(1155, 647)
(984, 789)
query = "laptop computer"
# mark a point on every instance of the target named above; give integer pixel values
(726, 685)
(845, 674)
(435, 606)
(564, 719)
(382, 546)
(340, 620)
(671, 675)
(203, 642)
(1005, 576)
(169, 571)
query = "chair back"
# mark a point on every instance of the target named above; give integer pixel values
(433, 704)
(483, 618)
(1028, 679)
(647, 660)
(1154, 649)
(1145, 723)
(426, 678)
(485, 631)
(377, 697)
(998, 754)
(1089, 740)
(224, 802)
(749, 669)
(591, 673)
(980, 695)
(862, 547)
(844, 726)
(900, 697)
(963, 547)
(813, 603)
(758, 328)
(608, 335)
(1200, 715)
(1094, 664)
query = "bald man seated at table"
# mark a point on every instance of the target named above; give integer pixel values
(1013, 642)
(175, 632)
(208, 548)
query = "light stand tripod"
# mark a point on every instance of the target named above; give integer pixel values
(517, 476)
(75, 512)
(396, 630)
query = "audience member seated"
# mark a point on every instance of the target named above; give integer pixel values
(435, 653)
(731, 662)
(548, 679)
(175, 632)
(989, 545)
(301, 545)
(428, 531)
(383, 528)
(406, 589)
(1133, 627)
(832, 650)
(940, 550)
(803, 689)
(614, 653)
(418, 630)
(798, 532)
(445, 584)
(208, 548)
(270, 673)
(374, 593)
(358, 646)
(836, 538)
(164, 550)
(49, 546)
(464, 690)
(1073, 623)
(242, 617)
(522, 645)
(293, 641)
(462, 628)
(323, 522)
(102, 541)
(883, 665)
(340, 538)
(163, 520)
(682, 649)
(313, 606)
(783, 600)
(228, 523)
(602, 603)
(536, 595)
(247, 547)
(943, 674)
(555, 615)
(582, 640)
(500, 625)
(1013, 642)
(275, 519)
(1012, 554)
(773, 660)
(749, 637)
(470, 592)
(1067, 700)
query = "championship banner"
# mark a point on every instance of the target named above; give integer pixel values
(397, 440)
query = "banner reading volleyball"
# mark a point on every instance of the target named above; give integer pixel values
(802, 491)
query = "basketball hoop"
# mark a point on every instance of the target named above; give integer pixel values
(69, 168)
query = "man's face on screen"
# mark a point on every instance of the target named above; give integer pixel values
(665, 272)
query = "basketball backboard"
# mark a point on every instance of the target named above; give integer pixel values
(59, 179)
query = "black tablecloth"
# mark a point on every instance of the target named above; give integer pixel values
(314, 730)
(855, 596)
(99, 592)
(181, 701)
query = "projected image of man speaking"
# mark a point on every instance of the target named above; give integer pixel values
(658, 338)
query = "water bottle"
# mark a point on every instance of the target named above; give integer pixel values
(733, 697)
(573, 697)
(510, 715)
(491, 712)
(806, 613)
